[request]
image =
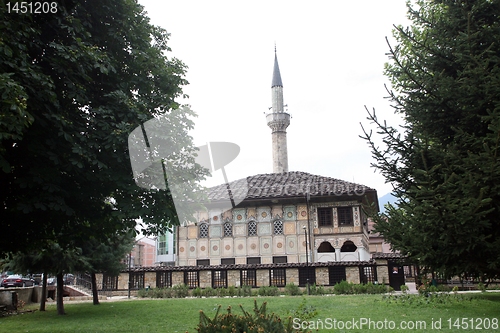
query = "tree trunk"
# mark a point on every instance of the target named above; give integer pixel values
(60, 291)
(95, 295)
(43, 299)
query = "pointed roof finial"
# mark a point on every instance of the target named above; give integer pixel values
(276, 71)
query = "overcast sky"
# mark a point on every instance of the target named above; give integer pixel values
(331, 56)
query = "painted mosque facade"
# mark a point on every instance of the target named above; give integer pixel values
(284, 217)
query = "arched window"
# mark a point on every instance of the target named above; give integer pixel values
(252, 228)
(228, 229)
(203, 230)
(325, 247)
(348, 247)
(278, 227)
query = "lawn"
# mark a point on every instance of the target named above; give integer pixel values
(181, 315)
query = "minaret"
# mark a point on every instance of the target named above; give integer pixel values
(278, 121)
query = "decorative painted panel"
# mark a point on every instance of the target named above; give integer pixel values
(279, 245)
(183, 232)
(192, 232)
(215, 216)
(239, 215)
(265, 245)
(335, 218)
(203, 248)
(289, 228)
(191, 249)
(228, 214)
(291, 244)
(346, 229)
(263, 228)
(240, 230)
(182, 249)
(277, 212)
(215, 247)
(264, 214)
(202, 215)
(302, 212)
(251, 212)
(253, 246)
(355, 215)
(290, 213)
(215, 231)
(240, 247)
(227, 247)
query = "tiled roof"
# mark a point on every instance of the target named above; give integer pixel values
(381, 255)
(286, 185)
(251, 266)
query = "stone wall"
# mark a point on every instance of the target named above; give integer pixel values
(322, 276)
(292, 276)
(23, 294)
(352, 274)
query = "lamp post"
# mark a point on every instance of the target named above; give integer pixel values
(307, 261)
(129, 268)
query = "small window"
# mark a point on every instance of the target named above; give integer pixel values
(219, 279)
(191, 279)
(163, 279)
(248, 277)
(325, 217)
(344, 215)
(348, 246)
(278, 227)
(253, 260)
(280, 260)
(307, 275)
(136, 280)
(367, 274)
(162, 245)
(228, 229)
(203, 262)
(252, 228)
(109, 282)
(336, 274)
(203, 230)
(277, 277)
(227, 261)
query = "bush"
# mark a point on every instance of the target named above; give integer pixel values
(343, 287)
(347, 288)
(245, 291)
(404, 289)
(316, 290)
(259, 321)
(269, 291)
(292, 289)
(180, 291)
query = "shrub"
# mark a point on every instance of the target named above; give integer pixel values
(304, 312)
(197, 292)
(316, 290)
(292, 289)
(259, 321)
(404, 289)
(180, 291)
(269, 291)
(245, 291)
(343, 287)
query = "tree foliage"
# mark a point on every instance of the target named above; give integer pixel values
(74, 84)
(444, 161)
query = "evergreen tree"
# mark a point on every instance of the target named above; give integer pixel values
(444, 161)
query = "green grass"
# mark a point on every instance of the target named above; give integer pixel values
(181, 315)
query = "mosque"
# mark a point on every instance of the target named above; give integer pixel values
(282, 217)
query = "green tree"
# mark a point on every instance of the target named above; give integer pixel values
(74, 84)
(444, 161)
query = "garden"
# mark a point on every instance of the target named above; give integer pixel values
(345, 308)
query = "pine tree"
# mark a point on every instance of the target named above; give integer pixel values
(444, 162)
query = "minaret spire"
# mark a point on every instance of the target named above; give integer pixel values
(278, 120)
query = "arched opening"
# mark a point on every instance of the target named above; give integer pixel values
(348, 247)
(325, 247)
